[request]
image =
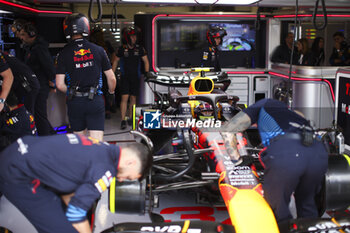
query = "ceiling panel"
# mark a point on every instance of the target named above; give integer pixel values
(265, 3)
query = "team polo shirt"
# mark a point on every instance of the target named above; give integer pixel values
(83, 63)
(273, 118)
(130, 59)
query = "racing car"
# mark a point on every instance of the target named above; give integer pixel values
(187, 155)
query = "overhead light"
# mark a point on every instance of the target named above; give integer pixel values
(33, 9)
(5, 12)
(216, 2)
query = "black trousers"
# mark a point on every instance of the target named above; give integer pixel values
(291, 167)
(40, 112)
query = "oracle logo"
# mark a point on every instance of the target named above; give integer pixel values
(170, 229)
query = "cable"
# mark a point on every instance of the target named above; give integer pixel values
(99, 7)
(325, 20)
(289, 98)
(114, 17)
(258, 20)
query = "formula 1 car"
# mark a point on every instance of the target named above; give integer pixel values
(188, 155)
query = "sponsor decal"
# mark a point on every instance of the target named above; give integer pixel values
(84, 65)
(205, 56)
(22, 148)
(104, 182)
(72, 138)
(202, 213)
(327, 227)
(32, 124)
(82, 52)
(242, 176)
(12, 121)
(171, 228)
(345, 108)
(84, 58)
(184, 79)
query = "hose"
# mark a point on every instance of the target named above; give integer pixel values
(99, 7)
(114, 18)
(325, 21)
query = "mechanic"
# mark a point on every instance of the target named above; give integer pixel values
(130, 55)
(210, 57)
(38, 58)
(6, 82)
(80, 65)
(39, 174)
(15, 122)
(25, 84)
(282, 53)
(16, 27)
(341, 51)
(294, 160)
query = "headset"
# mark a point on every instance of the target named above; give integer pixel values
(18, 24)
(30, 29)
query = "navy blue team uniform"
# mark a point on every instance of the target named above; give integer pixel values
(38, 58)
(290, 166)
(17, 123)
(210, 58)
(34, 172)
(130, 77)
(3, 64)
(25, 84)
(83, 63)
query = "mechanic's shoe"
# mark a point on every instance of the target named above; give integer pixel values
(123, 124)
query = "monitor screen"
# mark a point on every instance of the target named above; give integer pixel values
(182, 36)
(10, 32)
(240, 36)
(181, 42)
(192, 36)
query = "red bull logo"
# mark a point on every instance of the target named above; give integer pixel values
(82, 52)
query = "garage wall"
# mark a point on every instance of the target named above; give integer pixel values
(129, 10)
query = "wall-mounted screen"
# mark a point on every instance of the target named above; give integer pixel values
(183, 35)
(240, 37)
(181, 41)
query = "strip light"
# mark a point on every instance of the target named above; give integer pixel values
(34, 10)
(307, 79)
(217, 2)
(310, 15)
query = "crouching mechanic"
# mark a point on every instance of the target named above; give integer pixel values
(39, 174)
(15, 122)
(79, 74)
(294, 160)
